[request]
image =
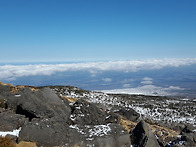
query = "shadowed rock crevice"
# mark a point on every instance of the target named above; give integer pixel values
(29, 115)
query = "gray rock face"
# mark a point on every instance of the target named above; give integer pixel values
(107, 135)
(128, 113)
(142, 136)
(4, 89)
(42, 104)
(87, 113)
(10, 121)
(48, 132)
(35, 104)
(187, 139)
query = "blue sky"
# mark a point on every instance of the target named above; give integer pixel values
(95, 30)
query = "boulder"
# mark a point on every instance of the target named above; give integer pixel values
(187, 129)
(41, 104)
(128, 113)
(4, 89)
(189, 139)
(48, 132)
(107, 135)
(85, 113)
(142, 136)
(10, 121)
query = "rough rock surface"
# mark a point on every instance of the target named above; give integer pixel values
(128, 113)
(87, 113)
(49, 120)
(69, 116)
(47, 132)
(111, 135)
(10, 121)
(42, 104)
(142, 136)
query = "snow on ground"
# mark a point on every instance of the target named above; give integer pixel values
(156, 108)
(14, 133)
(100, 130)
(92, 131)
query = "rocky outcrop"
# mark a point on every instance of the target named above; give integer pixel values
(47, 132)
(41, 104)
(128, 113)
(83, 112)
(10, 121)
(187, 138)
(142, 136)
(49, 118)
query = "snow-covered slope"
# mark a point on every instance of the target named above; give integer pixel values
(159, 109)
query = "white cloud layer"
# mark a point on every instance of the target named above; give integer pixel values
(147, 90)
(147, 80)
(107, 79)
(126, 85)
(14, 71)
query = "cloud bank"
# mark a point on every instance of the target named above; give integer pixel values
(148, 90)
(11, 72)
(147, 80)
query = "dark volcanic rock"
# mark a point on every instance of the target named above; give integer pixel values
(10, 121)
(4, 89)
(116, 137)
(41, 104)
(110, 135)
(128, 113)
(48, 132)
(187, 129)
(87, 113)
(142, 136)
(189, 139)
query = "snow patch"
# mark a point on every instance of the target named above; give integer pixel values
(14, 133)
(100, 130)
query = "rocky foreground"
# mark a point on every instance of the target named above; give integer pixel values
(67, 116)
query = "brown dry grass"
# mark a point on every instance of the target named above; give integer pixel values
(71, 146)
(71, 100)
(163, 132)
(6, 142)
(15, 89)
(26, 144)
(128, 125)
(1, 83)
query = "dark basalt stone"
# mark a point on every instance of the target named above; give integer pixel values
(10, 121)
(87, 113)
(128, 113)
(142, 136)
